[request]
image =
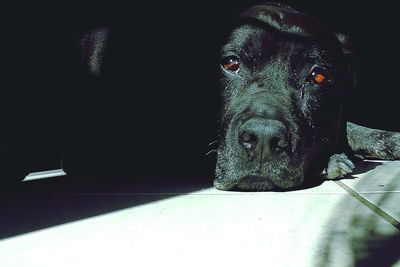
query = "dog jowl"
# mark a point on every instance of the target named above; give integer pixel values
(283, 74)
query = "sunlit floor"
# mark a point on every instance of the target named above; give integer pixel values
(351, 222)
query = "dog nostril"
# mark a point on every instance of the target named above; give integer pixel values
(277, 144)
(249, 140)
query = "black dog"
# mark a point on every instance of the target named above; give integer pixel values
(283, 76)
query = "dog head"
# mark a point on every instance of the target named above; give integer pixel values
(282, 79)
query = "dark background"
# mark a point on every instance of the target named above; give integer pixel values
(154, 109)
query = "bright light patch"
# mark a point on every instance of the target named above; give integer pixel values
(44, 175)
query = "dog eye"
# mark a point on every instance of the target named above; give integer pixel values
(318, 76)
(231, 64)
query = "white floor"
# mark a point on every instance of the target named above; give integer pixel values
(352, 222)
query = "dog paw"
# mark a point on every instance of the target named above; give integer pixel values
(339, 165)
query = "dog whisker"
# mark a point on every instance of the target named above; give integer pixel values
(213, 143)
(210, 152)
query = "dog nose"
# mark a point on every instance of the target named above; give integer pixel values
(263, 139)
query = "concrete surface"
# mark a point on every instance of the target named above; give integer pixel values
(352, 222)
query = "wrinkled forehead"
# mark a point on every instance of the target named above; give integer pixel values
(257, 43)
(269, 27)
(253, 36)
(286, 20)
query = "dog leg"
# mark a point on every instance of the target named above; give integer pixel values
(372, 143)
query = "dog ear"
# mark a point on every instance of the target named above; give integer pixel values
(93, 45)
(350, 57)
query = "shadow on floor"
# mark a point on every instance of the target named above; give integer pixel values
(360, 167)
(45, 203)
(362, 237)
(365, 166)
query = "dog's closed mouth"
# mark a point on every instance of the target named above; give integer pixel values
(250, 183)
(255, 183)
(252, 179)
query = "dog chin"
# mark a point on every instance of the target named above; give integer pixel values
(256, 183)
(234, 174)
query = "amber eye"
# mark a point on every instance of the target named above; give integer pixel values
(231, 64)
(318, 76)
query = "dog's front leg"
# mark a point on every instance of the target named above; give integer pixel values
(372, 143)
